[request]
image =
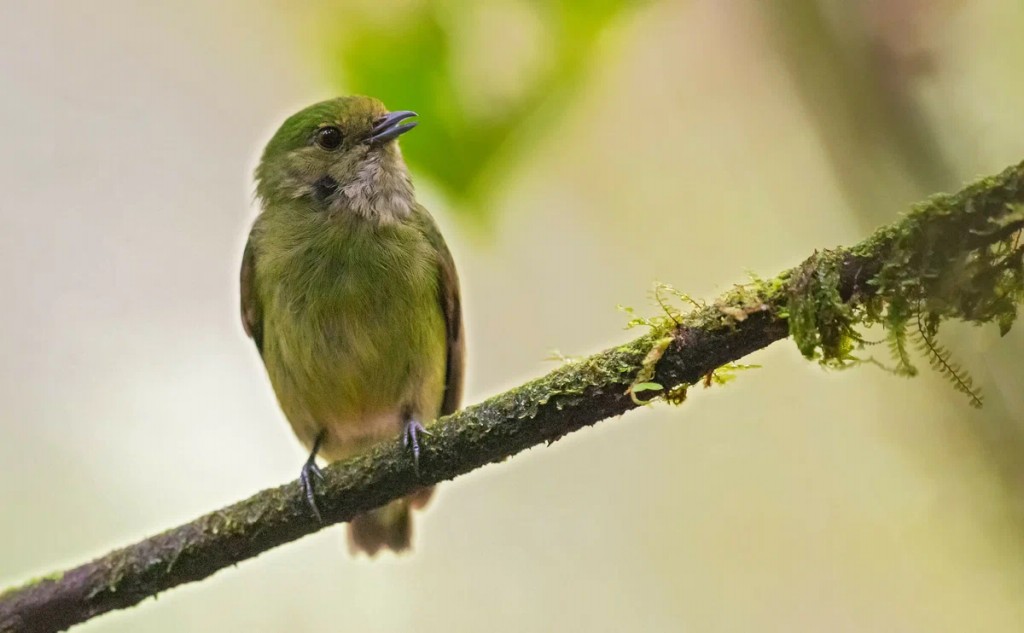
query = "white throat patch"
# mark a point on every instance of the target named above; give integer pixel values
(381, 189)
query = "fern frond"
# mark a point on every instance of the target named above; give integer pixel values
(941, 360)
(897, 342)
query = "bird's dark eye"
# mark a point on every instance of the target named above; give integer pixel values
(328, 137)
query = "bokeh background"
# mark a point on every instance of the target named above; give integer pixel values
(574, 153)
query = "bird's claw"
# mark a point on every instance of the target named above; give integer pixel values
(310, 474)
(410, 437)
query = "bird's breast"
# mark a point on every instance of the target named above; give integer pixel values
(355, 337)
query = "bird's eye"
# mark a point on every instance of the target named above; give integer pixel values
(328, 137)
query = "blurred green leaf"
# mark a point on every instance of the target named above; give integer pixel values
(409, 60)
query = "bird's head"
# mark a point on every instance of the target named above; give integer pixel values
(339, 155)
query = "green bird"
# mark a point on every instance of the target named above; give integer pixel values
(351, 296)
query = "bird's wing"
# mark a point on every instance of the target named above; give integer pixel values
(252, 309)
(451, 306)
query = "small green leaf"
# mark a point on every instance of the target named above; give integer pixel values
(647, 386)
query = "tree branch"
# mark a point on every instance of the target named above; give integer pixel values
(915, 259)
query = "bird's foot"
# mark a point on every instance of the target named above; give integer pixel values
(310, 474)
(410, 437)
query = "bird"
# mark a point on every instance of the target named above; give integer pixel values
(351, 296)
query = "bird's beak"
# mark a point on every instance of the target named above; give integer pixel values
(387, 128)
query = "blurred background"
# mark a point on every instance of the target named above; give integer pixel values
(574, 153)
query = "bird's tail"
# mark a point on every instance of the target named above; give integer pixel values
(387, 527)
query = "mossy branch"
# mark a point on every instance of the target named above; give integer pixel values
(953, 256)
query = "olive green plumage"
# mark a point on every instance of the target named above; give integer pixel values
(350, 293)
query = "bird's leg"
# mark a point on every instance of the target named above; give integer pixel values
(410, 437)
(310, 473)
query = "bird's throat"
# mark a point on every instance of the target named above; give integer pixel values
(381, 189)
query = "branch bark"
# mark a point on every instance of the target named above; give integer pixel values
(675, 354)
